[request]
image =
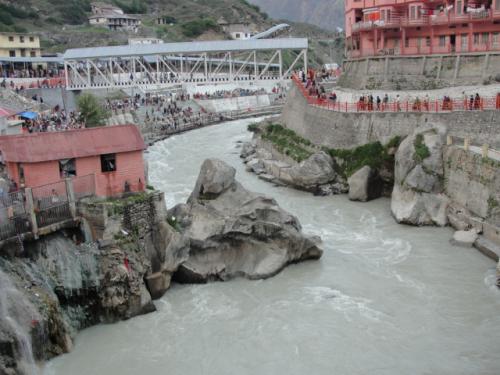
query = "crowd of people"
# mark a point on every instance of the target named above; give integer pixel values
(31, 73)
(222, 94)
(55, 120)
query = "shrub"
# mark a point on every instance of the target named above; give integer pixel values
(92, 113)
(421, 150)
(195, 28)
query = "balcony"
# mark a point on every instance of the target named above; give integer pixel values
(442, 19)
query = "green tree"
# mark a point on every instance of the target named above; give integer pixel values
(92, 113)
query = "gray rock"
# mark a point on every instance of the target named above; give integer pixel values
(215, 177)
(365, 185)
(418, 196)
(316, 170)
(247, 149)
(239, 233)
(464, 238)
(256, 166)
(267, 177)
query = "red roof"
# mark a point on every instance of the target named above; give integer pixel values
(80, 143)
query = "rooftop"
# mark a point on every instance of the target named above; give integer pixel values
(40, 147)
(190, 47)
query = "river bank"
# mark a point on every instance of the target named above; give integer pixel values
(380, 289)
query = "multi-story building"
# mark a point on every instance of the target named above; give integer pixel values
(113, 18)
(19, 45)
(425, 27)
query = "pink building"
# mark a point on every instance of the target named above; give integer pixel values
(409, 27)
(113, 154)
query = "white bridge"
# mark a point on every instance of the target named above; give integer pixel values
(161, 66)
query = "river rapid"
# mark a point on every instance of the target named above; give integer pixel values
(384, 298)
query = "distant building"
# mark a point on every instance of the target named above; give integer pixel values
(237, 31)
(19, 45)
(135, 41)
(113, 154)
(408, 27)
(113, 18)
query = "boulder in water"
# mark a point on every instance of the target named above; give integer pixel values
(365, 185)
(233, 232)
(315, 171)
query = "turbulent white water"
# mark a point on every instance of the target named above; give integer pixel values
(384, 299)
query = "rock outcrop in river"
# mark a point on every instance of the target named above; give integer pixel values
(234, 232)
(418, 197)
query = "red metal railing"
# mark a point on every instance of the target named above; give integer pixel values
(422, 105)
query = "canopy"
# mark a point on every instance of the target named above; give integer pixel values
(29, 115)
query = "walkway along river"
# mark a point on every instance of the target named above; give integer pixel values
(384, 299)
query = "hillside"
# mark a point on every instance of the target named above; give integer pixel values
(63, 24)
(328, 14)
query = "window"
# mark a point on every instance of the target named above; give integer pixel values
(497, 5)
(428, 41)
(442, 41)
(21, 39)
(32, 39)
(419, 11)
(407, 42)
(11, 38)
(12, 53)
(237, 36)
(486, 38)
(108, 163)
(495, 38)
(412, 13)
(23, 53)
(33, 54)
(67, 168)
(459, 7)
(476, 38)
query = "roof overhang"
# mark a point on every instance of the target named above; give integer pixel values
(186, 48)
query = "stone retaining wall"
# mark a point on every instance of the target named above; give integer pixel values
(349, 130)
(420, 72)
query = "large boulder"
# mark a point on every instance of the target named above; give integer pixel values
(315, 171)
(418, 197)
(215, 177)
(237, 232)
(365, 185)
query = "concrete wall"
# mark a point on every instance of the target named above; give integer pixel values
(349, 130)
(420, 72)
(235, 104)
(472, 182)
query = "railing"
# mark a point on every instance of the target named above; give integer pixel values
(426, 20)
(38, 207)
(435, 106)
(13, 216)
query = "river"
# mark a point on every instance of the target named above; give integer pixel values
(384, 299)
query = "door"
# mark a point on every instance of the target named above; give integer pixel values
(453, 42)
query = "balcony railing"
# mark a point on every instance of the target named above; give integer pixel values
(443, 19)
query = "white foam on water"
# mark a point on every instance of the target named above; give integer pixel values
(344, 303)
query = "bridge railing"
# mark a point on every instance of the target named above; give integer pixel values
(420, 105)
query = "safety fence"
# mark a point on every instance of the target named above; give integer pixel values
(13, 215)
(417, 105)
(34, 208)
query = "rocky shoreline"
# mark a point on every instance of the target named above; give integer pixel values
(56, 286)
(415, 174)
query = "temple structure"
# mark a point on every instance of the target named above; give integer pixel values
(409, 27)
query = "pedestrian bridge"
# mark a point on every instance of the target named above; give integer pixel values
(160, 66)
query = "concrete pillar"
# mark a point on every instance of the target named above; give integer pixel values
(386, 68)
(485, 150)
(485, 65)
(457, 67)
(71, 197)
(424, 60)
(30, 210)
(440, 67)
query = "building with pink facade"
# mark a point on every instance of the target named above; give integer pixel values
(112, 155)
(409, 27)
